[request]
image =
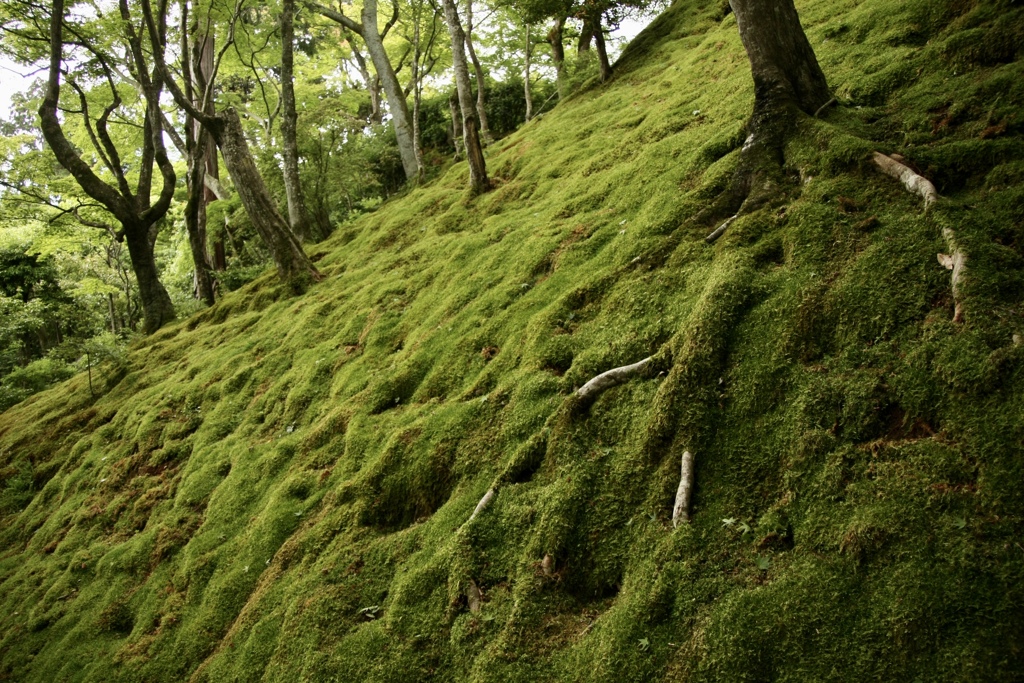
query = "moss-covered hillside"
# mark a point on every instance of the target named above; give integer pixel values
(278, 489)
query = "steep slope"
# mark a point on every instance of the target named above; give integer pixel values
(279, 487)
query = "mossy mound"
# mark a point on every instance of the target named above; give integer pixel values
(279, 487)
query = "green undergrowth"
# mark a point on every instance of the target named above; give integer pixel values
(278, 488)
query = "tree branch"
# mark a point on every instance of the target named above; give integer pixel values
(337, 16)
(62, 148)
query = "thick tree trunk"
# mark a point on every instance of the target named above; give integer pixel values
(284, 247)
(602, 51)
(481, 85)
(781, 60)
(297, 217)
(558, 54)
(586, 36)
(787, 79)
(157, 308)
(392, 90)
(474, 152)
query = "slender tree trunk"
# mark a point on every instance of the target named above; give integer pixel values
(284, 247)
(602, 51)
(112, 311)
(586, 36)
(203, 74)
(458, 137)
(197, 58)
(297, 217)
(157, 308)
(558, 54)
(481, 84)
(474, 151)
(787, 79)
(195, 222)
(371, 80)
(526, 78)
(392, 90)
(417, 95)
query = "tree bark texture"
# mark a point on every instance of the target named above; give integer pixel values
(915, 183)
(481, 85)
(602, 51)
(203, 75)
(474, 151)
(284, 247)
(458, 137)
(417, 95)
(297, 217)
(787, 79)
(392, 90)
(558, 54)
(781, 60)
(371, 80)
(195, 222)
(586, 37)
(157, 308)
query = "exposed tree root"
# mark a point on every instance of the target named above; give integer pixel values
(681, 510)
(484, 502)
(611, 378)
(912, 181)
(474, 596)
(955, 260)
(720, 230)
(824, 107)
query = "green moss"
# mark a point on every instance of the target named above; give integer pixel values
(278, 488)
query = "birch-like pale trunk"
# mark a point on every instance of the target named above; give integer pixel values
(397, 105)
(481, 86)
(297, 217)
(474, 151)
